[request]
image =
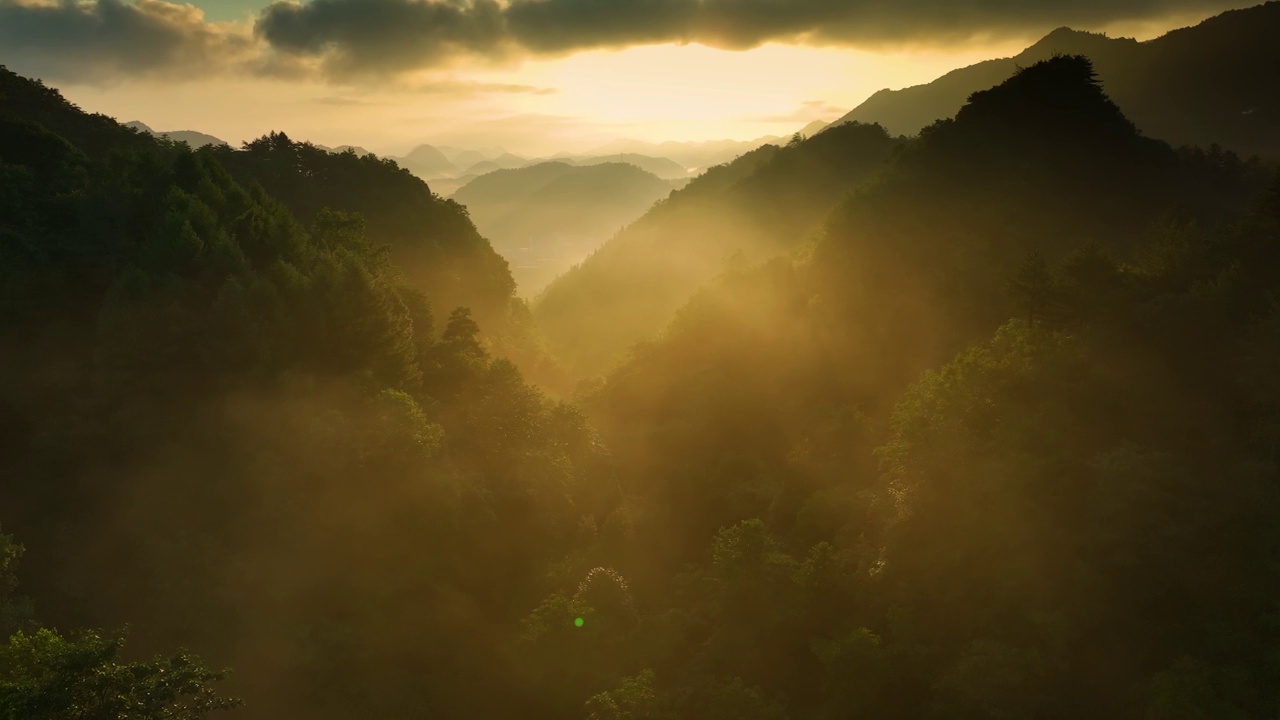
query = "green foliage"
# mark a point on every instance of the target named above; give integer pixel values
(46, 675)
(634, 699)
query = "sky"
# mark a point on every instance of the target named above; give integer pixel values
(533, 77)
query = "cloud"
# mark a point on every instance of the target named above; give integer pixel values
(375, 36)
(350, 39)
(105, 39)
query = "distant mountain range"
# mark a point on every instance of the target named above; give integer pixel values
(1211, 83)
(695, 156)
(547, 216)
(190, 137)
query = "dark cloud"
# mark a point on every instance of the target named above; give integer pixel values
(355, 36)
(351, 38)
(104, 39)
(385, 35)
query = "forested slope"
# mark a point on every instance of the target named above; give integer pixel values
(235, 423)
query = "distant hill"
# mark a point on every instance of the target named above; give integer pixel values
(462, 157)
(695, 155)
(427, 163)
(665, 168)
(766, 202)
(358, 150)
(505, 161)
(190, 137)
(547, 216)
(1211, 83)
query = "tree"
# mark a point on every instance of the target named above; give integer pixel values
(48, 675)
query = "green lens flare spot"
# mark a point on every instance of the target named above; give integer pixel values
(577, 622)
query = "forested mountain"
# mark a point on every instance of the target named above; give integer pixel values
(545, 217)
(979, 424)
(764, 203)
(1070, 515)
(448, 183)
(226, 414)
(1199, 85)
(431, 240)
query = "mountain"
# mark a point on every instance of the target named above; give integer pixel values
(431, 240)
(428, 163)
(664, 168)
(1198, 85)
(358, 150)
(765, 203)
(484, 167)
(505, 161)
(998, 424)
(694, 155)
(814, 128)
(190, 137)
(547, 216)
(462, 157)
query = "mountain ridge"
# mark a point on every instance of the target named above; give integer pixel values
(1197, 85)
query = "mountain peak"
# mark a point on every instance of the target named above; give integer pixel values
(1067, 40)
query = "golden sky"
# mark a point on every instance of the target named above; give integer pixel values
(331, 78)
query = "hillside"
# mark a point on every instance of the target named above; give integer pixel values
(765, 203)
(1198, 85)
(545, 217)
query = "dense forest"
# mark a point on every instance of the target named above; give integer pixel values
(978, 423)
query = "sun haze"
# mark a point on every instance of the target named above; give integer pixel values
(530, 77)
